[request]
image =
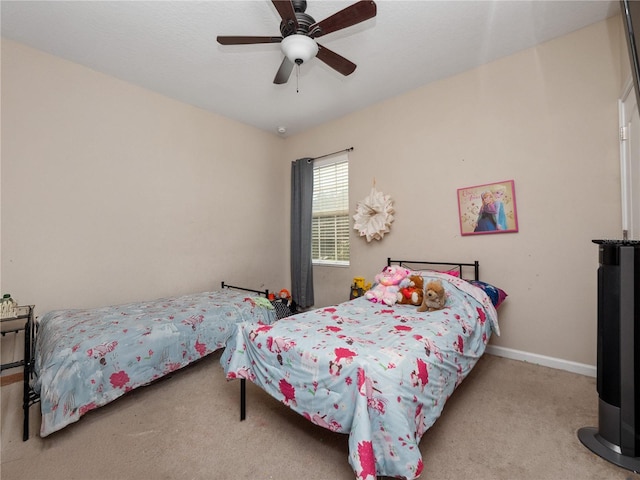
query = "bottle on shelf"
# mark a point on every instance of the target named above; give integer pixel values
(8, 306)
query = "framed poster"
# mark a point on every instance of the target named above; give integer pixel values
(488, 208)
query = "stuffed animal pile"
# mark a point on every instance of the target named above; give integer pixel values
(396, 284)
(434, 297)
(411, 290)
(387, 285)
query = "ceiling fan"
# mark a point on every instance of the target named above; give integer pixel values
(299, 31)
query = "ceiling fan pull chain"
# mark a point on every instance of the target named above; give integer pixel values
(297, 78)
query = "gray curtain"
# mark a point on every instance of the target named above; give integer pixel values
(301, 217)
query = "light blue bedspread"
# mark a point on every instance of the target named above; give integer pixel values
(381, 374)
(87, 358)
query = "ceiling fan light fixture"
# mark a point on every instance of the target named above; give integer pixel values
(299, 48)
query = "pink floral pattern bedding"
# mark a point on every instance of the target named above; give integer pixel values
(381, 374)
(87, 358)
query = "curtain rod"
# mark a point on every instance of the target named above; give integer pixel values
(329, 154)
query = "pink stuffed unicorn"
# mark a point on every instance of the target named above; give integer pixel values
(387, 285)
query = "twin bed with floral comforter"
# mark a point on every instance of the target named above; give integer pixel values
(87, 358)
(381, 374)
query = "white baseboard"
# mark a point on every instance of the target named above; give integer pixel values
(558, 363)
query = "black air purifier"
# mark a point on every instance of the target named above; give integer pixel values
(617, 438)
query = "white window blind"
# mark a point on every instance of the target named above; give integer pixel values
(330, 228)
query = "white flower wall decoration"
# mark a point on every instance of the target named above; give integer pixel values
(374, 215)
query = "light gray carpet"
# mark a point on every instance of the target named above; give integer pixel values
(508, 420)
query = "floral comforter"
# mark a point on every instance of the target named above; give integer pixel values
(87, 358)
(381, 374)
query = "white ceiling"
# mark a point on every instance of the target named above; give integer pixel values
(170, 47)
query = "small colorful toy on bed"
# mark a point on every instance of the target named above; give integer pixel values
(387, 285)
(411, 290)
(434, 297)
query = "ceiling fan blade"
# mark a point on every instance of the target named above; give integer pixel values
(287, 13)
(239, 40)
(284, 72)
(335, 61)
(356, 13)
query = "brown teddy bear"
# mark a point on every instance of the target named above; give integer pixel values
(411, 290)
(434, 297)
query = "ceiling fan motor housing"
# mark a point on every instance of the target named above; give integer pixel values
(304, 22)
(296, 44)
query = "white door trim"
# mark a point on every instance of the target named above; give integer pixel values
(629, 162)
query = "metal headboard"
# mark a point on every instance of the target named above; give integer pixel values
(264, 292)
(419, 264)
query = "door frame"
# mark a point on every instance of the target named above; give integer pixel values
(629, 164)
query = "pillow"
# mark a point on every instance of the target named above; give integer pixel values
(455, 272)
(496, 294)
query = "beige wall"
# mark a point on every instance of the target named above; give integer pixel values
(112, 193)
(546, 118)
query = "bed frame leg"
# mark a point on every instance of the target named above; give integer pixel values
(243, 399)
(25, 383)
(29, 397)
(25, 418)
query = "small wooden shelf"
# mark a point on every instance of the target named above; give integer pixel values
(14, 324)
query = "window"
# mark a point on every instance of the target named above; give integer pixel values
(330, 224)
